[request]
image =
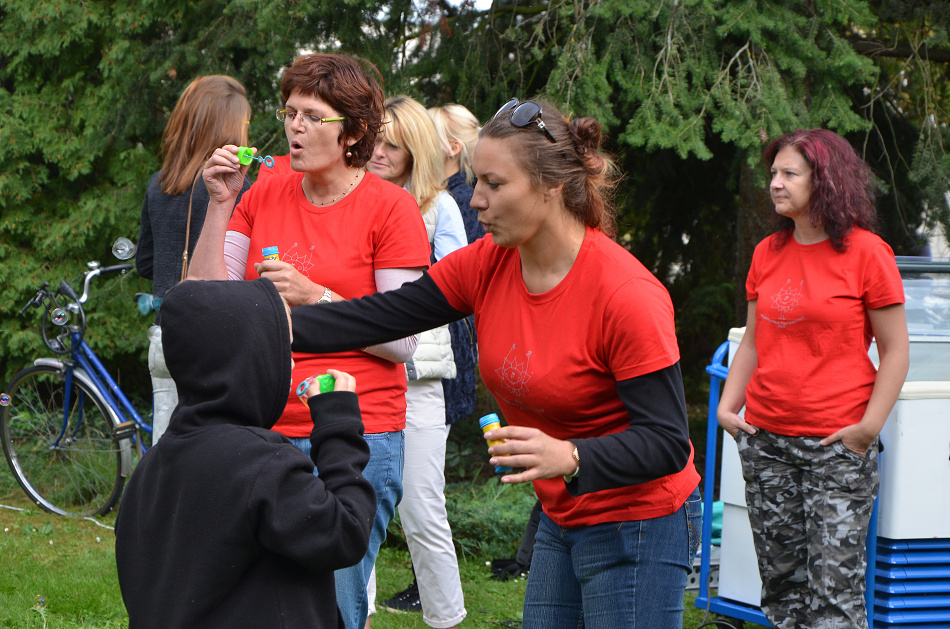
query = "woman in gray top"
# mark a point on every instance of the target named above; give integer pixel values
(212, 111)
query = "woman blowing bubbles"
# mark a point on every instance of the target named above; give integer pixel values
(576, 342)
(818, 289)
(342, 232)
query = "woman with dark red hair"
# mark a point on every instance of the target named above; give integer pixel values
(819, 289)
(341, 232)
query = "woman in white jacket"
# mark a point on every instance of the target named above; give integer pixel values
(408, 154)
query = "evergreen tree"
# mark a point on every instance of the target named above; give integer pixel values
(691, 91)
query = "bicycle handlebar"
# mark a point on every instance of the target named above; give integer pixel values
(66, 287)
(70, 335)
(36, 299)
(98, 270)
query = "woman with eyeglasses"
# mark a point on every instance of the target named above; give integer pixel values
(576, 341)
(341, 232)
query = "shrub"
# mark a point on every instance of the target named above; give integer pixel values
(487, 518)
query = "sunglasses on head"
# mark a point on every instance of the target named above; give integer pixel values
(523, 114)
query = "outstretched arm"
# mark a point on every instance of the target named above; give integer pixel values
(378, 318)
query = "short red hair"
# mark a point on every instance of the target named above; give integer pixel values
(341, 82)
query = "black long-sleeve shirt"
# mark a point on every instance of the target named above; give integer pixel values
(654, 445)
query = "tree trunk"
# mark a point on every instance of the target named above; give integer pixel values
(752, 225)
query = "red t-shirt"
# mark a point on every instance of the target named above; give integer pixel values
(552, 360)
(377, 226)
(281, 167)
(812, 331)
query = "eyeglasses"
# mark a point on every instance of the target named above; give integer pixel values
(284, 114)
(523, 114)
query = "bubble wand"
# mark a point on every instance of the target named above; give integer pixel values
(246, 154)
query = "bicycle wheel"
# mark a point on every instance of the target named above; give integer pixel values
(66, 459)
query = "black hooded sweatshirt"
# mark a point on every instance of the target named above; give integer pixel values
(223, 523)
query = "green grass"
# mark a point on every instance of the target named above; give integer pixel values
(70, 562)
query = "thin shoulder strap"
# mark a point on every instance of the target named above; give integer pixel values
(184, 254)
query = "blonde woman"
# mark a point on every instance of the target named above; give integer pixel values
(457, 129)
(211, 112)
(407, 154)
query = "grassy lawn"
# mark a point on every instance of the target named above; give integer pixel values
(70, 564)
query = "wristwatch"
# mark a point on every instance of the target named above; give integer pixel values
(326, 296)
(577, 459)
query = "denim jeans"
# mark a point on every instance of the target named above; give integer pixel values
(384, 472)
(617, 574)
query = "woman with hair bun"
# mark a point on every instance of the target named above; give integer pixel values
(577, 343)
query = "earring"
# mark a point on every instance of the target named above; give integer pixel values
(349, 153)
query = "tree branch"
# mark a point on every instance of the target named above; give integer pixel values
(876, 48)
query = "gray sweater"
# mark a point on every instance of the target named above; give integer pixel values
(162, 232)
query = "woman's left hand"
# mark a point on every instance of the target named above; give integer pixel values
(542, 456)
(854, 438)
(291, 284)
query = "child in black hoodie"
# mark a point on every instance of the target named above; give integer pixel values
(223, 523)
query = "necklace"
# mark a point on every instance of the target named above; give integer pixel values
(345, 192)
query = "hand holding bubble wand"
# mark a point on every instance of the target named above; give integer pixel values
(245, 154)
(325, 383)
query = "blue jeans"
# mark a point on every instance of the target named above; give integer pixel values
(384, 472)
(618, 574)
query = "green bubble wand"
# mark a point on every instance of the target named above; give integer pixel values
(246, 154)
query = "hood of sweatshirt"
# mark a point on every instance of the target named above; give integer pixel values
(227, 346)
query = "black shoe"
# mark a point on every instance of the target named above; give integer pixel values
(504, 569)
(404, 602)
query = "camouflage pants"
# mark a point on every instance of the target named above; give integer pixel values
(809, 507)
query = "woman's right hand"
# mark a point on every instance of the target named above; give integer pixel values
(223, 174)
(732, 423)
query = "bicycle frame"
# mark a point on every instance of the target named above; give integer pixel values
(85, 365)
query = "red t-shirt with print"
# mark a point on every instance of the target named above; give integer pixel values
(812, 331)
(552, 360)
(377, 226)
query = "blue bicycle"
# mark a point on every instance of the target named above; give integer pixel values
(68, 430)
